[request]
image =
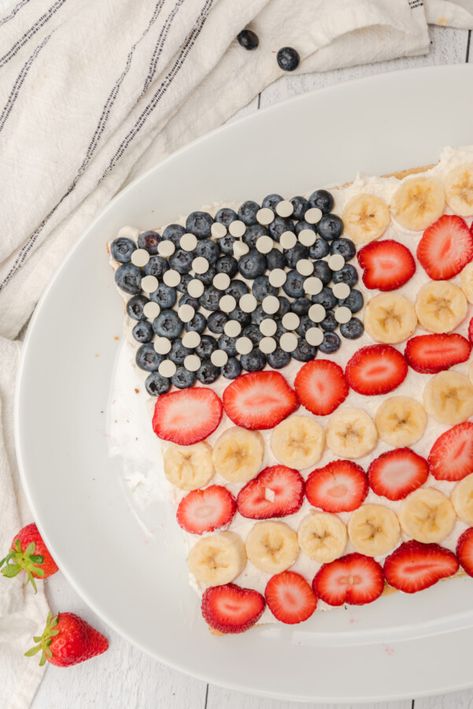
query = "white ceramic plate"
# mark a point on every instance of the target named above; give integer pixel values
(398, 647)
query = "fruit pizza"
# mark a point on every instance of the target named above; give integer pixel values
(308, 365)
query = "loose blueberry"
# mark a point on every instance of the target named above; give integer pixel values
(122, 249)
(329, 324)
(156, 384)
(278, 226)
(197, 324)
(225, 244)
(216, 321)
(302, 225)
(330, 344)
(323, 271)
(178, 352)
(189, 300)
(240, 316)
(319, 249)
(284, 306)
(232, 368)
(164, 296)
(354, 301)
(348, 274)
(227, 264)
(278, 359)
(253, 233)
(210, 298)
(253, 332)
(254, 361)
(135, 306)
(301, 306)
(226, 216)
(208, 249)
(208, 276)
(305, 324)
(330, 227)
(206, 346)
(294, 285)
(199, 224)
(149, 240)
(321, 199)
(271, 201)
(275, 259)
(252, 264)
(182, 379)
(300, 206)
(353, 329)
(184, 282)
(344, 247)
(143, 331)
(207, 373)
(248, 39)
(181, 261)
(128, 278)
(173, 232)
(288, 59)
(325, 298)
(247, 212)
(156, 266)
(167, 324)
(258, 315)
(304, 352)
(228, 345)
(262, 287)
(147, 358)
(295, 254)
(237, 288)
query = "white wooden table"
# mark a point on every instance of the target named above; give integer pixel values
(125, 678)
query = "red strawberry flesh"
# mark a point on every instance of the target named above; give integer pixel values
(429, 354)
(290, 598)
(387, 264)
(414, 566)
(321, 386)
(470, 330)
(451, 456)
(206, 510)
(259, 400)
(188, 416)
(340, 486)
(277, 491)
(29, 554)
(397, 473)
(232, 609)
(376, 369)
(355, 579)
(465, 551)
(67, 640)
(445, 248)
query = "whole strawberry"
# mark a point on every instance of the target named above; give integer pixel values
(28, 554)
(68, 640)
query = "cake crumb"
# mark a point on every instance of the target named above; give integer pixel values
(136, 390)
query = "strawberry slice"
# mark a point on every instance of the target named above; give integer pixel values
(414, 566)
(446, 247)
(386, 264)
(397, 473)
(354, 578)
(290, 598)
(465, 551)
(321, 386)
(277, 491)
(470, 330)
(430, 354)
(205, 510)
(187, 416)
(340, 486)
(376, 369)
(231, 608)
(259, 400)
(451, 456)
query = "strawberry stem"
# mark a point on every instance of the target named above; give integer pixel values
(23, 560)
(44, 641)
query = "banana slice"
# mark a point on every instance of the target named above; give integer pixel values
(466, 281)
(427, 515)
(448, 397)
(418, 202)
(322, 536)
(365, 218)
(238, 454)
(272, 546)
(440, 306)
(189, 467)
(217, 559)
(462, 499)
(390, 317)
(351, 433)
(459, 189)
(400, 421)
(374, 529)
(298, 442)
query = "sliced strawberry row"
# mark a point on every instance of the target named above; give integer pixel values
(231, 608)
(206, 510)
(188, 416)
(451, 456)
(321, 386)
(354, 578)
(290, 598)
(397, 473)
(259, 400)
(429, 354)
(277, 491)
(376, 369)
(386, 264)
(340, 486)
(446, 247)
(414, 566)
(465, 551)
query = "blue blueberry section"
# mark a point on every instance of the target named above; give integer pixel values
(122, 249)
(149, 240)
(128, 278)
(199, 224)
(183, 379)
(147, 358)
(167, 324)
(134, 307)
(156, 384)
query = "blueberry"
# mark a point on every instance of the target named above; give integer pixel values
(253, 233)
(225, 244)
(321, 199)
(143, 331)
(300, 207)
(181, 261)
(348, 274)
(301, 306)
(135, 306)
(252, 264)
(128, 278)
(197, 324)
(240, 316)
(247, 39)
(164, 296)
(178, 352)
(226, 216)
(237, 288)
(304, 352)
(254, 361)
(149, 240)
(271, 201)
(189, 300)
(199, 224)
(208, 276)
(275, 259)
(354, 301)
(156, 384)
(208, 249)
(278, 226)
(227, 344)
(258, 315)
(320, 249)
(206, 346)
(173, 232)
(330, 227)
(122, 249)
(253, 333)
(247, 212)
(262, 287)
(167, 324)
(288, 59)
(232, 368)
(210, 298)
(330, 344)
(156, 266)
(184, 282)
(325, 298)
(183, 379)
(147, 358)
(305, 324)
(344, 247)
(329, 323)
(295, 254)
(323, 271)
(294, 285)
(353, 329)
(227, 264)
(216, 321)
(207, 373)
(302, 225)
(278, 359)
